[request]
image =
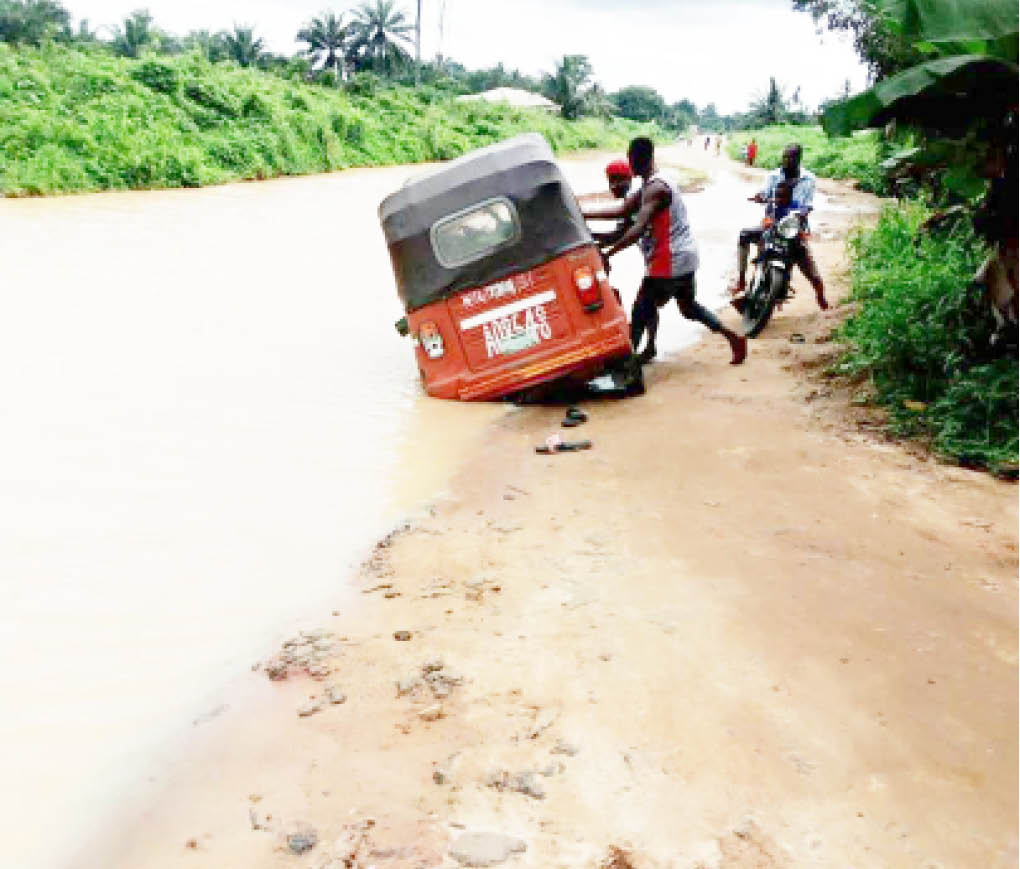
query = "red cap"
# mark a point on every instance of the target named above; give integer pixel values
(619, 169)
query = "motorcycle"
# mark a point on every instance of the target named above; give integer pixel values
(777, 254)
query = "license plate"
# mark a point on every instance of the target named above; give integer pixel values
(514, 328)
(517, 343)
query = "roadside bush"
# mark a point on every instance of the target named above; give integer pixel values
(856, 156)
(156, 75)
(922, 335)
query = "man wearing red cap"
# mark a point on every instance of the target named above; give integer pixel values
(619, 175)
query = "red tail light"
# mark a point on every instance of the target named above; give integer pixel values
(588, 289)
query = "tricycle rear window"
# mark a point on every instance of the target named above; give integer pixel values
(469, 235)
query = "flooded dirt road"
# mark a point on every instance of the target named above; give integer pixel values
(741, 631)
(204, 407)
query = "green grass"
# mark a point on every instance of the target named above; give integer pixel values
(922, 335)
(854, 156)
(78, 119)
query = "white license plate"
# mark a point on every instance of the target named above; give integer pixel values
(517, 343)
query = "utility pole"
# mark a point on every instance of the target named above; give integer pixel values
(417, 47)
(442, 25)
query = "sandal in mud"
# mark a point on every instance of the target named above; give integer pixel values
(563, 447)
(574, 417)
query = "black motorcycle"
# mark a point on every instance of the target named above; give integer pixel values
(770, 282)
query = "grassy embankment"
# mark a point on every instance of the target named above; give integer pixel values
(854, 156)
(922, 336)
(77, 120)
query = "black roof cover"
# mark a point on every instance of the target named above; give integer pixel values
(522, 170)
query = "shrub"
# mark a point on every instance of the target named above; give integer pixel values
(922, 335)
(156, 75)
(856, 156)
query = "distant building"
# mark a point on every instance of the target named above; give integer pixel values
(514, 97)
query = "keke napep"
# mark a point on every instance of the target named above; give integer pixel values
(502, 283)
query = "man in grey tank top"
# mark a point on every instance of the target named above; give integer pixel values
(671, 254)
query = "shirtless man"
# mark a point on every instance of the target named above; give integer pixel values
(671, 254)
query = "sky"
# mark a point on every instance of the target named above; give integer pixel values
(720, 51)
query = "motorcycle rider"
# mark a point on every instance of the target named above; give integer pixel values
(801, 197)
(671, 254)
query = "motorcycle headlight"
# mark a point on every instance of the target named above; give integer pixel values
(789, 227)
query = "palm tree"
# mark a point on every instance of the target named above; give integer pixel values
(380, 35)
(212, 45)
(597, 102)
(568, 84)
(243, 47)
(326, 35)
(136, 34)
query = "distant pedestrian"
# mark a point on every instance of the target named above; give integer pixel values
(708, 141)
(752, 152)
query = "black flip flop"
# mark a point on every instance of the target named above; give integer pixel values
(576, 413)
(565, 447)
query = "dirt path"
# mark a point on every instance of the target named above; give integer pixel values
(739, 632)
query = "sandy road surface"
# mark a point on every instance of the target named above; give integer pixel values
(739, 632)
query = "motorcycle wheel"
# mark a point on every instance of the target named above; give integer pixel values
(761, 299)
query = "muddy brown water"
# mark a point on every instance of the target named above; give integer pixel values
(207, 419)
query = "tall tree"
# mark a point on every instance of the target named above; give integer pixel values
(640, 103)
(242, 47)
(212, 45)
(136, 34)
(771, 108)
(877, 41)
(568, 84)
(381, 36)
(327, 42)
(32, 21)
(598, 103)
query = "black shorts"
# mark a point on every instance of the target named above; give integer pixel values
(663, 290)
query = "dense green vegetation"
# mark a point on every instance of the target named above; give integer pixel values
(848, 157)
(923, 335)
(80, 119)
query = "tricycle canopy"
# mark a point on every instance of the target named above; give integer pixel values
(491, 213)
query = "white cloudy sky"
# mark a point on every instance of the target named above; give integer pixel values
(720, 51)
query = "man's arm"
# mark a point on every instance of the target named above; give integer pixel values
(654, 197)
(604, 239)
(610, 211)
(769, 190)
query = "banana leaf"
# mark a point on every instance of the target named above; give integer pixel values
(943, 95)
(957, 21)
(952, 27)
